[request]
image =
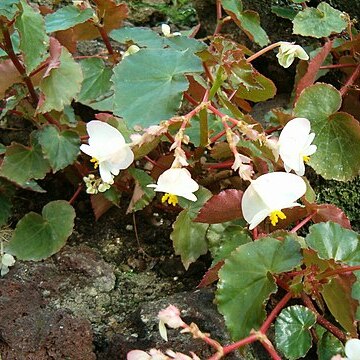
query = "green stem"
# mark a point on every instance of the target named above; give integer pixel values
(204, 129)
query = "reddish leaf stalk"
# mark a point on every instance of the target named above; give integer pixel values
(236, 345)
(190, 99)
(343, 270)
(337, 66)
(21, 69)
(279, 306)
(76, 194)
(350, 81)
(321, 320)
(303, 222)
(263, 51)
(269, 347)
(154, 162)
(106, 39)
(223, 165)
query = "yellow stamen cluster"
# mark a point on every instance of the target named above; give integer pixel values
(96, 162)
(170, 198)
(275, 216)
(306, 158)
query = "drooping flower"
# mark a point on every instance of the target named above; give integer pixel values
(242, 164)
(176, 182)
(6, 260)
(288, 52)
(165, 29)
(295, 145)
(269, 194)
(132, 49)
(108, 150)
(170, 317)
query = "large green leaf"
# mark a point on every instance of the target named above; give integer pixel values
(337, 133)
(145, 37)
(60, 148)
(66, 17)
(96, 81)
(188, 238)
(149, 84)
(246, 281)
(331, 241)
(320, 22)
(248, 21)
(36, 237)
(22, 163)
(8, 8)
(62, 81)
(33, 39)
(292, 331)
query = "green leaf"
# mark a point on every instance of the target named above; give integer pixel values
(96, 81)
(320, 22)
(342, 306)
(331, 241)
(246, 281)
(8, 8)
(61, 84)
(60, 148)
(2, 149)
(145, 37)
(225, 238)
(329, 346)
(142, 194)
(286, 12)
(153, 80)
(355, 293)
(337, 133)
(33, 39)
(36, 237)
(203, 195)
(22, 163)
(66, 17)
(264, 90)
(188, 238)
(248, 21)
(292, 331)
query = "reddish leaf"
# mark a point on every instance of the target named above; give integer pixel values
(221, 208)
(328, 212)
(100, 205)
(8, 75)
(313, 68)
(54, 59)
(110, 15)
(211, 275)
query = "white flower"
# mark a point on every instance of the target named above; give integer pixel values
(269, 194)
(176, 182)
(165, 29)
(170, 317)
(6, 260)
(272, 144)
(108, 150)
(295, 145)
(132, 49)
(352, 349)
(288, 52)
(142, 355)
(242, 164)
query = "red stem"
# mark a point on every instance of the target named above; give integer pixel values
(106, 39)
(279, 306)
(303, 222)
(223, 165)
(190, 99)
(154, 162)
(321, 320)
(337, 66)
(339, 271)
(232, 347)
(76, 194)
(350, 81)
(270, 349)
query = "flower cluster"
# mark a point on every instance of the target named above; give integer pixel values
(288, 52)
(94, 185)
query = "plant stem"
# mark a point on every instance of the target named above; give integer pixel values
(343, 270)
(279, 306)
(232, 347)
(76, 194)
(321, 320)
(337, 66)
(303, 222)
(350, 81)
(106, 39)
(263, 51)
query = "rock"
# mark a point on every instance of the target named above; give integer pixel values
(195, 307)
(29, 330)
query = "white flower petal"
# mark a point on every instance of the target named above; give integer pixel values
(352, 349)
(7, 260)
(105, 172)
(165, 29)
(162, 330)
(101, 134)
(138, 355)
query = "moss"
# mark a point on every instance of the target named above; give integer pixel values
(344, 195)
